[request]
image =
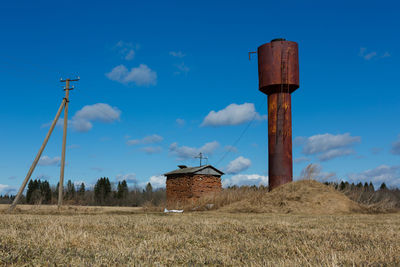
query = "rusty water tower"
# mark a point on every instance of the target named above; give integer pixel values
(278, 73)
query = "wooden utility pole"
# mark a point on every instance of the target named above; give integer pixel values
(39, 154)
(61, 185)
(64, 104)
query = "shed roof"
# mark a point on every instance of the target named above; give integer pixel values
(205, 169)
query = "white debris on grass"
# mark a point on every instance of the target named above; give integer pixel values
(177, 211)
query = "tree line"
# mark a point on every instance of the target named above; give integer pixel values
(367, 194)
(104, 193)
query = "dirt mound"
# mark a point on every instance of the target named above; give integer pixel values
(301, 197)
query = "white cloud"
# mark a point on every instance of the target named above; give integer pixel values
(152, 149)
(130, 55)
(7, 190)
(180, 122)
(83, 118)
(325, 142)
(178, 54)
(367, 56)
(127, 50)
(328, 146)
(47, 161)
(396, 147)
(301, 159)
(118, 74)
(129, 178)
(390, 175)
(133, 142)
(371, 54)
(233, 114)
(73, 146)
(185, 152)
(2, 187)
(151, 139)
(245, 179)
(157, 181)
(182, 68)
(334, 153)
(237, 165)
(141, 76)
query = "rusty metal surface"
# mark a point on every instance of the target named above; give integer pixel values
(278, 72)
(280, 169)
(278, 67)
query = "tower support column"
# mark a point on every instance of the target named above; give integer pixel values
(280, 164)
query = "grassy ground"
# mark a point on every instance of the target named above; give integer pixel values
(115, 236)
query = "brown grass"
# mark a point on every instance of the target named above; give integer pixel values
(210, 238)
(380, 201)
(299, 224)
(69, 210)
(301, 197)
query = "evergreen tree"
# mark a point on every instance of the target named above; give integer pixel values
(366, 186)
(55, 193)
(45, 192)
(383, 186)
(38, 192)
(346, 185)
(29, 192)
(342, 186)
(149, 188)
(371, 187)
(122, 190)
(102, 190)
(70, 194)
(148, 192)
(81, 190)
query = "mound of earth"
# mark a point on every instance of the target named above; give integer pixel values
(301, 197)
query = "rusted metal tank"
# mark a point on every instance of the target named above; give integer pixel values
(278, 72)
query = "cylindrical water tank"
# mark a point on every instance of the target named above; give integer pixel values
(278, 66)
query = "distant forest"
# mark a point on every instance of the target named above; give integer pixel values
(368, 195)
(104, 193)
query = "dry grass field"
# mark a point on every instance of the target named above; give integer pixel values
(129, 236)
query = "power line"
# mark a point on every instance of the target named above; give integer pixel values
(242, 133)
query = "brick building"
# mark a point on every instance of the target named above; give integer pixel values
(190, 183)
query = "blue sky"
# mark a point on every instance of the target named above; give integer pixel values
(153, 72)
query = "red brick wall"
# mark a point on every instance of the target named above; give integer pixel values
(191, 187)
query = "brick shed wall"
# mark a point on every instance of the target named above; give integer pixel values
(188, 188)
